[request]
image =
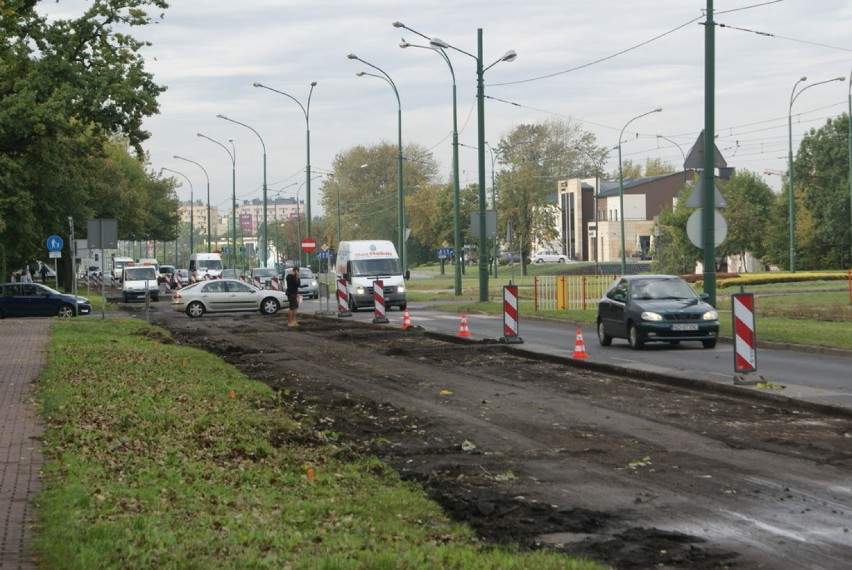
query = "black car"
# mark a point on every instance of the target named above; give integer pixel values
(655, 308)
(36, 300)
(167, 275)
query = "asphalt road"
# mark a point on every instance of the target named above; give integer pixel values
(806, 375)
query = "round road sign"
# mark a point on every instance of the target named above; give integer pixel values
(308, 245)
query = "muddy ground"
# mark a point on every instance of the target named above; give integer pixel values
(635, 473)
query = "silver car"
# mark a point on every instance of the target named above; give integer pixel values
(308, 284)
(225, 296)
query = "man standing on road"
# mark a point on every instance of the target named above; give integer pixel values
(292, 281)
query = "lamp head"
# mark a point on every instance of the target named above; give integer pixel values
(404, 44)
(352, 56)
(256, 84)
(313, 83)
(510, 55)
(360, 74)
(658, 110)
(398, 25)
(199, 135)
(841, 78)
(438, 42)
(803, 78)
(221, 116)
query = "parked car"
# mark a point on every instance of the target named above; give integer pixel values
(308, 284)
(226, 295)
(262, 276)
(37, 300)
(167, 274)
(509, 257)
(549, 256)
(655, 308)
(232, 273)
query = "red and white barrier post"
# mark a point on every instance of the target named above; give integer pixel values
(510, 315)
(342, 299)
(745, 349)
(379, 302)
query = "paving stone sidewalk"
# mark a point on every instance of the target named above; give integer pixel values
(22, 345)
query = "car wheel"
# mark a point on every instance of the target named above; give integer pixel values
(561, 260)
(539, 261)
(603, 338)
(65, 311)
(353, 307)
(195, 309)
(709, 343)
(633, 338)
(269, 306)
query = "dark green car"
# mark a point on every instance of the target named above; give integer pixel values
(655, 308)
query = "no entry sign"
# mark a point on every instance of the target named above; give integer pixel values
(308, 245)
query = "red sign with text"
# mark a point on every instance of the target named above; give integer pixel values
(308, 245)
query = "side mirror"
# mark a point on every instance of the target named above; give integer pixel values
(407, 274)
(619, 297)
(346, 277)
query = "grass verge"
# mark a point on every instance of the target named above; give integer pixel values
(161, 456)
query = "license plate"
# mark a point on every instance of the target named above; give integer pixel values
(685, 327)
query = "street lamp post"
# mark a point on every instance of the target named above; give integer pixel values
(849, 118)
(790, 195)
(191, 207)
(208, 196)
(621, 189)
(265, 245)
(480, 98)
(493, 202)
(233, 157)
(400, 198)
(306, 110)
(457, 245)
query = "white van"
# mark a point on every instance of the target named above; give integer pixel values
(149, 261)
(118, 264)
(205, 266)
(139, 280)
(361, 262)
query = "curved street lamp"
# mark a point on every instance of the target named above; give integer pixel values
(265, 245)
(191, 206)
(400, 198)
(306, 110)
(480, 98)
(790, 195)
(233, 157)
(457, 245)
(209, 221)
(621, 188)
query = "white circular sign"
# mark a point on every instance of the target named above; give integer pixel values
(694, 229)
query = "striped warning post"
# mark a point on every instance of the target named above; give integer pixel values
(275, 284)
(342, 299)
(510, 315)
(379, 302)
(745, 350)
(257, 283)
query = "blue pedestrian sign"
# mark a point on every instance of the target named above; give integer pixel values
(54, 243)
(445, 252)
(323, 254)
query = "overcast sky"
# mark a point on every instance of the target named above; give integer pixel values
(598, 64)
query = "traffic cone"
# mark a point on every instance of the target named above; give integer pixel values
(463, 331)
(579, 346)
(406, 320)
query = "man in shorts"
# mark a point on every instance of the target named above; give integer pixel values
(292, 281)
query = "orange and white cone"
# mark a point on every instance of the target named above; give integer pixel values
(406, 320)
(463, 330)
(579, 346)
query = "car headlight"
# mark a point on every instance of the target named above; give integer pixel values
(400, 289)
(651, 316)
(359, 289)
(314, 283)
(710, 316)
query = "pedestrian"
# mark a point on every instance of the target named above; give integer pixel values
(43, 272)
(292, 281)
(25, 274)
(14, 277)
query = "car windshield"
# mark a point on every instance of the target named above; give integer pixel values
(306, 274)
(662, 289)
(209, 264)
(367, 267)
(140, 273)
(263, 272)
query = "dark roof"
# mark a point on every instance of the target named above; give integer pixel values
(612, 187)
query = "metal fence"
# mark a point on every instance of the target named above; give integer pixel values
(570, 292)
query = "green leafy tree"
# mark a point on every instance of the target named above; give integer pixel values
(535, 157)
(66, 86)
(822, 197)
(675, 254)
(748, 215)
(364, 180)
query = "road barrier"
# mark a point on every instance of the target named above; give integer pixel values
(342, 299)
(569, 292)
(510, 315)
(379, 302)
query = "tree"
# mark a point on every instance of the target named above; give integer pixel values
(822, 197)
(748, 215)
(66, 87)
(536, 157)
(364, 180)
